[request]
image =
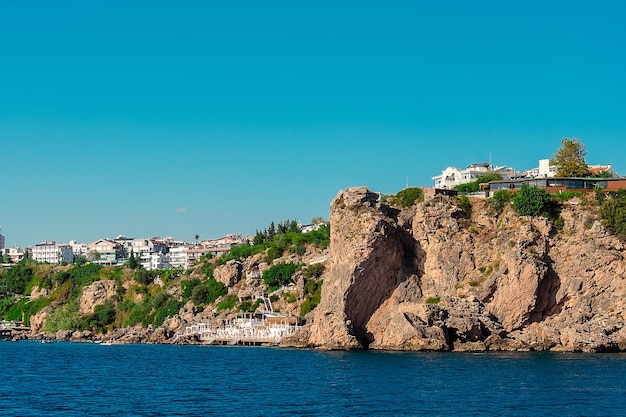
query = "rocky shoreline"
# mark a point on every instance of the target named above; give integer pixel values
(431, 277)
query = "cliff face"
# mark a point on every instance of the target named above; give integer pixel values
(428, 278)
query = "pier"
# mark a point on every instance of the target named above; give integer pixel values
(9, 328)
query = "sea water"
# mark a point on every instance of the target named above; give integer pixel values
(81, 379)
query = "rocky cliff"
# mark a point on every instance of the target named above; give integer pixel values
(429, 277)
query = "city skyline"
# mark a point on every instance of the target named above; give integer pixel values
(209, 119)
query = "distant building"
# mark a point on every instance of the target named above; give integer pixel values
(79, 249)
(556, 184)
(1, 240)
(16, 253)
(306, 228)
(179, 257)
(453, 176)
(104, 251)
(544, 170)
(606, 170)
(52, 252)
(158, 260)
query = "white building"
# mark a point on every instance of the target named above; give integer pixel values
(16, 253)
(453, 176)
(79, 249)
(158, 260)
(544, 170)
(179, 257)
(52, 252)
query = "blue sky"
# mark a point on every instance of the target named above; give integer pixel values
(168, 118)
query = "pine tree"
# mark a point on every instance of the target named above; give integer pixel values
(570, 159)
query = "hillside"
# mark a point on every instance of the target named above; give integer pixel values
(87, 302)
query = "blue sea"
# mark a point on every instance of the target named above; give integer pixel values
(80, 379)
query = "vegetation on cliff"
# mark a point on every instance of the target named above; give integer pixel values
(129, 295)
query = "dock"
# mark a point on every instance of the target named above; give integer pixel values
(10, 328)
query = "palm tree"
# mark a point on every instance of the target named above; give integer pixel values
(197, 237)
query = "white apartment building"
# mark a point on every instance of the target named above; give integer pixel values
(16, 253)
(52, 252)
(179, 256)
(453, 176)
(79, 249)
(544, 170)
(158, 260)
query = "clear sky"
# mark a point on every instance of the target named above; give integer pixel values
(171, 118)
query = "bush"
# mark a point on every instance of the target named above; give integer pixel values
(65, 317)
(208, 292)
(474, 186)
(248, 306)
(228, 303)
(464, 204)
(433, 300)
(314, 271)
(532, 201)
(103, 315)
(566, 195)
(613, 212)
(18, 276)
(408, 197)
(279, 274)
(188, 287)
(313, 291)
(499, 200)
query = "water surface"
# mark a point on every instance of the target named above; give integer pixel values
(76, 379)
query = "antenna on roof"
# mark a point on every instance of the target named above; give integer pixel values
(490, 164)
(407, 182)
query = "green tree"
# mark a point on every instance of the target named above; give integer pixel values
(570, 159)
(532, 201)
(93, 256)
(132, 262)
(279, 274)
(197, 236)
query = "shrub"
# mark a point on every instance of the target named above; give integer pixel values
(228, 303)
(208, 292)
(18, 276)
(408, 197)
(188, 287)
(314, 271)
(474, 186)
(613, 212)
(248, 306)
(103, 314)
(65, 317)
(313, 291)
(279, 274)
(499, 200)
(433, 300)
(532, 201)
(566, 195)
(464, 204)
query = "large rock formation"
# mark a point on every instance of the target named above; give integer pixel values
(430, 278)
(94, 294)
